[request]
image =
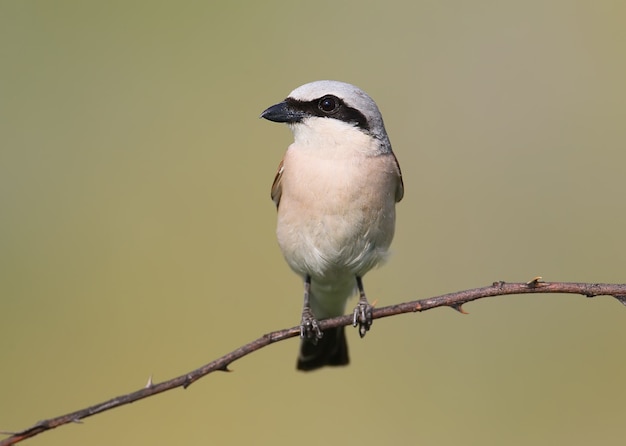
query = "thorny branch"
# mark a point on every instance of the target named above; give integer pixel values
(453, 300)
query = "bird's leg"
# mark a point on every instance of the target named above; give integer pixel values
(309, 328)
(362, 315)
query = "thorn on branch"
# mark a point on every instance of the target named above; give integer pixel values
(621, 298)
(534, 282)
(459, 308)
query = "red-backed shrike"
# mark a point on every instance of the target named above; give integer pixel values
(336, 190)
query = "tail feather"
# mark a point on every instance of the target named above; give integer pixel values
(330, 350)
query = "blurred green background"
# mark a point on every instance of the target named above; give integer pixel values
(137, 232)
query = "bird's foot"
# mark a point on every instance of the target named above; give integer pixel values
(309, 327)
(362, 317)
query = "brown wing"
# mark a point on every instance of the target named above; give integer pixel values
(277, 188)
(399, 187)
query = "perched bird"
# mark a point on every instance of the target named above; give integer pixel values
(335, 192)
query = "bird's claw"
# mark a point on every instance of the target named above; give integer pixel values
(362, 317)
(310, 329)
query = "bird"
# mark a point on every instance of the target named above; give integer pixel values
(335, 192)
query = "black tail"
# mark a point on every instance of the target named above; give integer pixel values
(331, 349)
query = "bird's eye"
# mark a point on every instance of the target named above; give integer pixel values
(328, 104)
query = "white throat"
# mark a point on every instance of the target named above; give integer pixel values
(331, 138)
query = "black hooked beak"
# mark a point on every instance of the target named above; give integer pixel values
(283, 112)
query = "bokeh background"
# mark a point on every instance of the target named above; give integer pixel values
(137, 233)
